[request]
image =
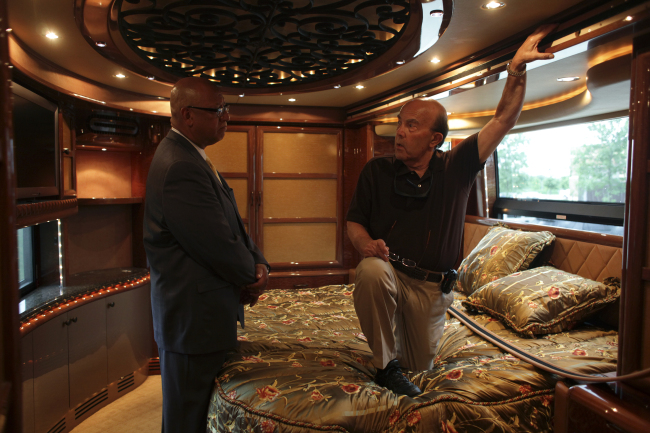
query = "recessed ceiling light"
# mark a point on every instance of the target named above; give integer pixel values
(448, 113)
(568, 79)
(241, 96)
(9, 30)
(154, 111)
(100, 44)
(338, 86)
(629, 18)
(120, 75)
(493, 5)
(359, 86)
(435, 60)
(436, 13)
(151, 77)
(104, 150)
(279, 127)
(51, 35)
(292, 100)
(399, 62)
(161, 97)
(130, 109)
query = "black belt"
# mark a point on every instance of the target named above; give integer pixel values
(419, 273)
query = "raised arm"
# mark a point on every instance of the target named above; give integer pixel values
(512, 99)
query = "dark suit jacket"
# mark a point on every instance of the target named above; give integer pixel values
(199, 254)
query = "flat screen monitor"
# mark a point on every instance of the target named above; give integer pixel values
(35, 139)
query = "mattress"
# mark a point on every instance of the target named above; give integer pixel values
(303, 365)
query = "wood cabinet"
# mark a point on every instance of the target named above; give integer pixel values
(128, 336)
(70, 361)
(288, 186)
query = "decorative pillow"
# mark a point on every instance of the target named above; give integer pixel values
(501, 252)
(542, 300)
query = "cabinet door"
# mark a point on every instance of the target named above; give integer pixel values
(51, 391)
(87, 351)
(27, 370)
(128, 332)
(300, 217)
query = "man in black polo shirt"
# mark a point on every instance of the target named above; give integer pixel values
(406, 219)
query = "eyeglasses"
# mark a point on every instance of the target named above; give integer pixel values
(220, 111)
(406, 262)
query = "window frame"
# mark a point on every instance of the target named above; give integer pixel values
(578, 211)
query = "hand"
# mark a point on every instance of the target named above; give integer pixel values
(246, 297)
(261, 280)
(529, 52)
(376, 248)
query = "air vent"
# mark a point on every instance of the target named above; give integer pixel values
(127, 382)
(59, 427)
(154, 366)
(88, 405)
(113, 125)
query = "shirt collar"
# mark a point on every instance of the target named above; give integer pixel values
(435, 164)
(198, 149)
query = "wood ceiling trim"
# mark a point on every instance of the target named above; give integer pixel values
(571, 20)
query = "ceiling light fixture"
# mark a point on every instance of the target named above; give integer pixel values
(154, 111)
(51, 35)
(104, 150)
(241, 96)
(399, 62)
(151, 77)
(86, 97)
(100, 44)
(435, 60)
(493, 5)
(566, 79)
(436, 13)
(9, 30)
(629, 18)
(292, 100)
(359, 86)
(120, 75)
(130, 109)
(338, 86)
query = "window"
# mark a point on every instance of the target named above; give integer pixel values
(38, 257)
(573, 173)
(25, 260)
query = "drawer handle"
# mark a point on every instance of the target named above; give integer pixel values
(67, 323)
(110, 304)
(300, 286)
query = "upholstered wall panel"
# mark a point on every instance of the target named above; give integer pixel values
(586, 259)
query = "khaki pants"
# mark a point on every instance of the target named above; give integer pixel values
(401, 317)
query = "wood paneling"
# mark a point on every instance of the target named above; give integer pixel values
(100, 237)
(300, 198)
(634, 350)
(300, 242)
(300, 153)
(103, 174)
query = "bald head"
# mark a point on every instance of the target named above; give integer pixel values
(203, 126)
(434, 112)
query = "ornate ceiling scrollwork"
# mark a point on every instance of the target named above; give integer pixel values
(261, 44)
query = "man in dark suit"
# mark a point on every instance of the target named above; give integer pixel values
(204, 266)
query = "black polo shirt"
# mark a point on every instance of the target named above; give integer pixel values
(427, 230)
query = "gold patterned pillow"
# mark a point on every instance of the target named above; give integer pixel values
(542, 300)
(501, 252)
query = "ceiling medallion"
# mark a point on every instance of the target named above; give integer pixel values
(261, 43)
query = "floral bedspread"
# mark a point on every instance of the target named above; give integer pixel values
(303, 365)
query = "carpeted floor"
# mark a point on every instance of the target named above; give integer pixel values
(140, 411)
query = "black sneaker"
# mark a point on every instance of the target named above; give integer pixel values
(392, 378)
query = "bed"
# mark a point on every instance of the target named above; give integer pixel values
(303, 365)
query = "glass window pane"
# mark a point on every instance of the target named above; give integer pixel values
(25, 259)
(580, 163)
